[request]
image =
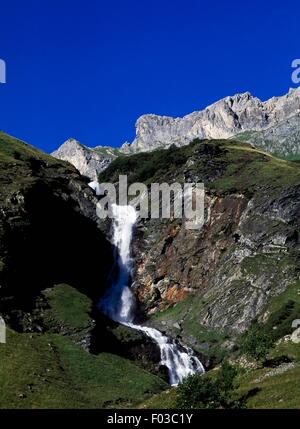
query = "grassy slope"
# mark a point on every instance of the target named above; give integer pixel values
(50, 371)
(18, 159)
(247, 168)
(277, 390)
(17, 151)
(68, 306)
(281, 390)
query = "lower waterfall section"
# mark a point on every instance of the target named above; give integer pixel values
(180, 364)
(118, 302)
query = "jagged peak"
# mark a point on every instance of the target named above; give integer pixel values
(154, 117)
(69, 143)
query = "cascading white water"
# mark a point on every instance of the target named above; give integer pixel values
(180, 364)
(118, 303)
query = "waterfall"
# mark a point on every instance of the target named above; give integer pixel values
(118, 302)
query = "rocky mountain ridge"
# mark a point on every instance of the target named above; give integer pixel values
(224, 119)
(273, 125)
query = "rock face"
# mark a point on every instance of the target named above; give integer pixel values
(48, 226)
(89, 162)
(223, 276)
(277, 117)
(295, 337)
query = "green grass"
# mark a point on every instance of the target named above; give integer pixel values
(21, 165)
(291, 293)
(108, 151)
(282, 310)
(250, 390)
(142, 167)
(248, 168)
(242, 167)
(49, 371)
(293, 158)
(14, 150)
(176, 312)
(166, 400)
(208, 341)
(68, 306)
(276, 391)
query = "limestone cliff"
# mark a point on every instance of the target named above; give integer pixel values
(273, 126)
(224, 119)
(89, 162)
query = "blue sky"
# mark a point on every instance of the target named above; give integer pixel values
(89, 68)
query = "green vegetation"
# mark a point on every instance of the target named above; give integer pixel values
(207, 341)
(271, 384)
(108, 151)
(165, 400)
(292, 158)
(291, 293)
(261, 337)
(213, 389)
(21, 164)
(14, 150)
(68, 306)
(273, 387)
(50, 371)
(240, 167)
(143, 166)
(270, 387)
(208, 390)
(256, 342)
(248, 168)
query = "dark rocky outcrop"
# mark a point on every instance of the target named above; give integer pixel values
(48, 228)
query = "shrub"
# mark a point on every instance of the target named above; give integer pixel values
(198, 391)
(205, 391)
(282, 319)
(226, 376)
(256, 343)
